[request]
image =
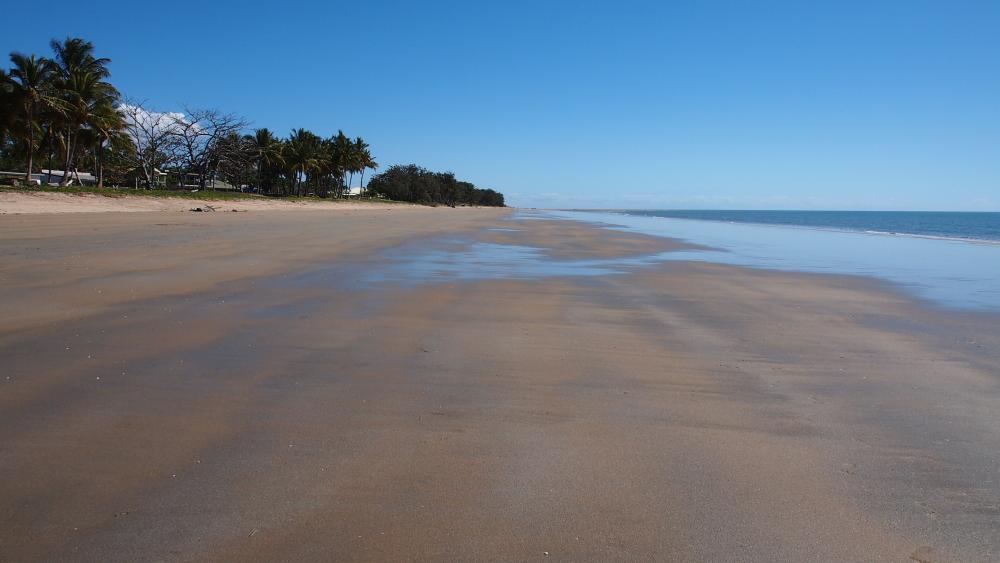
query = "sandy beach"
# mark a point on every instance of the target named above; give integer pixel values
(306, 385)
(31, 203)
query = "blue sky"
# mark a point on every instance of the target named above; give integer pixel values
(826, 105)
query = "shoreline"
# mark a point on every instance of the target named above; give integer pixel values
(275, 385)
(792, 226)
(984, 241)
(944, 273)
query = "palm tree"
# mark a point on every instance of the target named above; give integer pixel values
(88, 98)
(359, 159)
(106, 122)
(367, 161)
(32, 78)
(302, 155)
(330, 171)
(267, 153)
(340, 154)
(75, 54)
(7, 109)
(83, 86)
(319, 163)
(352, 163)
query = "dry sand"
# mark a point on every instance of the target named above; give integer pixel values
(261, 387)
(20, 203)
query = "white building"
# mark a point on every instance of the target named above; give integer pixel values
(53, 177)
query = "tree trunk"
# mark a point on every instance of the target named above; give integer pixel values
(68, 142)
(361, 183)
(70, 151)
(100, 165)
(31, 143)
(149, 176)
(50, 140)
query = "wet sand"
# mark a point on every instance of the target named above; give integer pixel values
(275, 387)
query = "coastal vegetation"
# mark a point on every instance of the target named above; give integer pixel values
(61, 115)
(415, 184)
(201, 195)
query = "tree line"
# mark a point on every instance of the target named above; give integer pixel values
(62, 112)
(415, 184)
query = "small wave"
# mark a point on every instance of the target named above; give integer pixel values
(924, 236)
(828, 228)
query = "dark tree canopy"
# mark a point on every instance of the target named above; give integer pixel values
(419, 185)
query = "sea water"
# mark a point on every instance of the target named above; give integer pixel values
(950, 225)
(951, 259)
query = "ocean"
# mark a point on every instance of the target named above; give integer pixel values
(948, 259)
(969, 226)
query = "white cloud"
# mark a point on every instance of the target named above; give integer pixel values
(148, 118)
